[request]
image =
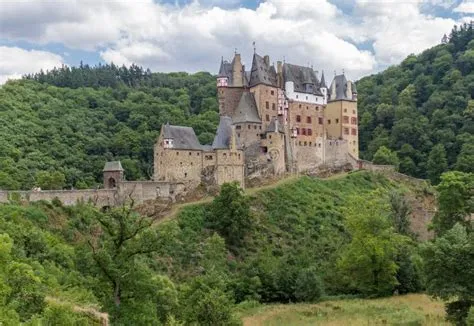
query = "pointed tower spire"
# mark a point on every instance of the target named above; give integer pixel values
(323, 81)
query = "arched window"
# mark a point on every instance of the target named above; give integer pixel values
(112, 183)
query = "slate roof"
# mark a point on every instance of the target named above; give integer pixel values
(223, 137)
(272, 127)
(300, 76)
(246, 110)
(338, 89)
(183, 137)
(225, 69)
(323, 81)
(262, 73)
(113, 166)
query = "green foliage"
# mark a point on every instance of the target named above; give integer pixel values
(423, 102)
(400, 210)
(455, 201)
(437, 163)
(229, 214)
(368, 261)
(470, 317)
(385, 156)
(59, 128)
(449, 270)
(309, 286)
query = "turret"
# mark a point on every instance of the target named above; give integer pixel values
(237, 71)
(223, 76)
(323, 87)
(113, 174)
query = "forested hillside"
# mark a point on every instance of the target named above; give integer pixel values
(298, 242)
(423, 110)
(59, 128)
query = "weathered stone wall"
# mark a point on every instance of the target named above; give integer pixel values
(229, 98)
(230, 166)
(308, 156)
(266, 98)
(308, 115)
(99, 197)
(248, 133)
(174, 165)
(335, 152)
(275, 144)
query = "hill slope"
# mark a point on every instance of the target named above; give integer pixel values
(296, 236)
(423, 109)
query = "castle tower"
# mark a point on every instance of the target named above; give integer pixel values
(341, 117)
(323, 87)
(231, 83)
(113, 174)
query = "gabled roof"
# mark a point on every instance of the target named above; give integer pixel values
(338, 89)
(275, 126)
(183, 137)
(113, 166)
(262, 73)
(223, 137)
(247, 110)
(300, 76)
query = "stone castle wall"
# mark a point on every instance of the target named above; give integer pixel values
(229, 98)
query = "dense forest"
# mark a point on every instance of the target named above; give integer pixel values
(303, 241)
(59, 128)
(419, 115)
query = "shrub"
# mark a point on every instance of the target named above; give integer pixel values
(309, 286)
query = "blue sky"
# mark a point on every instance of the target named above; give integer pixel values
(359, 36)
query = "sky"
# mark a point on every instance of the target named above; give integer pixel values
(359, 37)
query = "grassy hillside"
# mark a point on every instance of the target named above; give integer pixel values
(413, 309)
(423, 109)
(141, 272)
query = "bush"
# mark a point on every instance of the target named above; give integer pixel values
(470, 317)
(309, 286)
(457, 311)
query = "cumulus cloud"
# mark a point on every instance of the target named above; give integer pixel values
(465, 7)
(15, 62)
(194, 36)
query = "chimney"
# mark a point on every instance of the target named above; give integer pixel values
(266, 59)
(280, 74)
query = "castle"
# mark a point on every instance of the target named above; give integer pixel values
(272, 121)
(282, 119)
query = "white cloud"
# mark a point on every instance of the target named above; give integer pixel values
(193, 37)
(15, 62)
(466, 7)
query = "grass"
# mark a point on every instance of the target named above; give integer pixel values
(413, 309)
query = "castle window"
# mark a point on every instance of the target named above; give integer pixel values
(299, 106)
(255, 127)
(305, 143)
(238, 135)
(273, 106)
(185, 174)
(329, 122)
(307, 107)
(310, 132)
(337, 120)
(297, 131)
(238, 127)
(309, 143)
(225, 155)
(308, 119)
(303, 131)
(190, 153)
(267, 117)
(345, 110)
(197, 154)
(354, 111)
(320, 121)
(248, 126)
(269, 136)
(260, 127)
(353, 121)
(298, 118)
(267, 105)
(346, 119)
(177, 153)
(161, 162)
(300, 143)
(272, 92)
(319, 145)
(239, 155)
(192, 164)
(354, 132)
(346, 131)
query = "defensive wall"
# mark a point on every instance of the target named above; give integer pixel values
(138, 191)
